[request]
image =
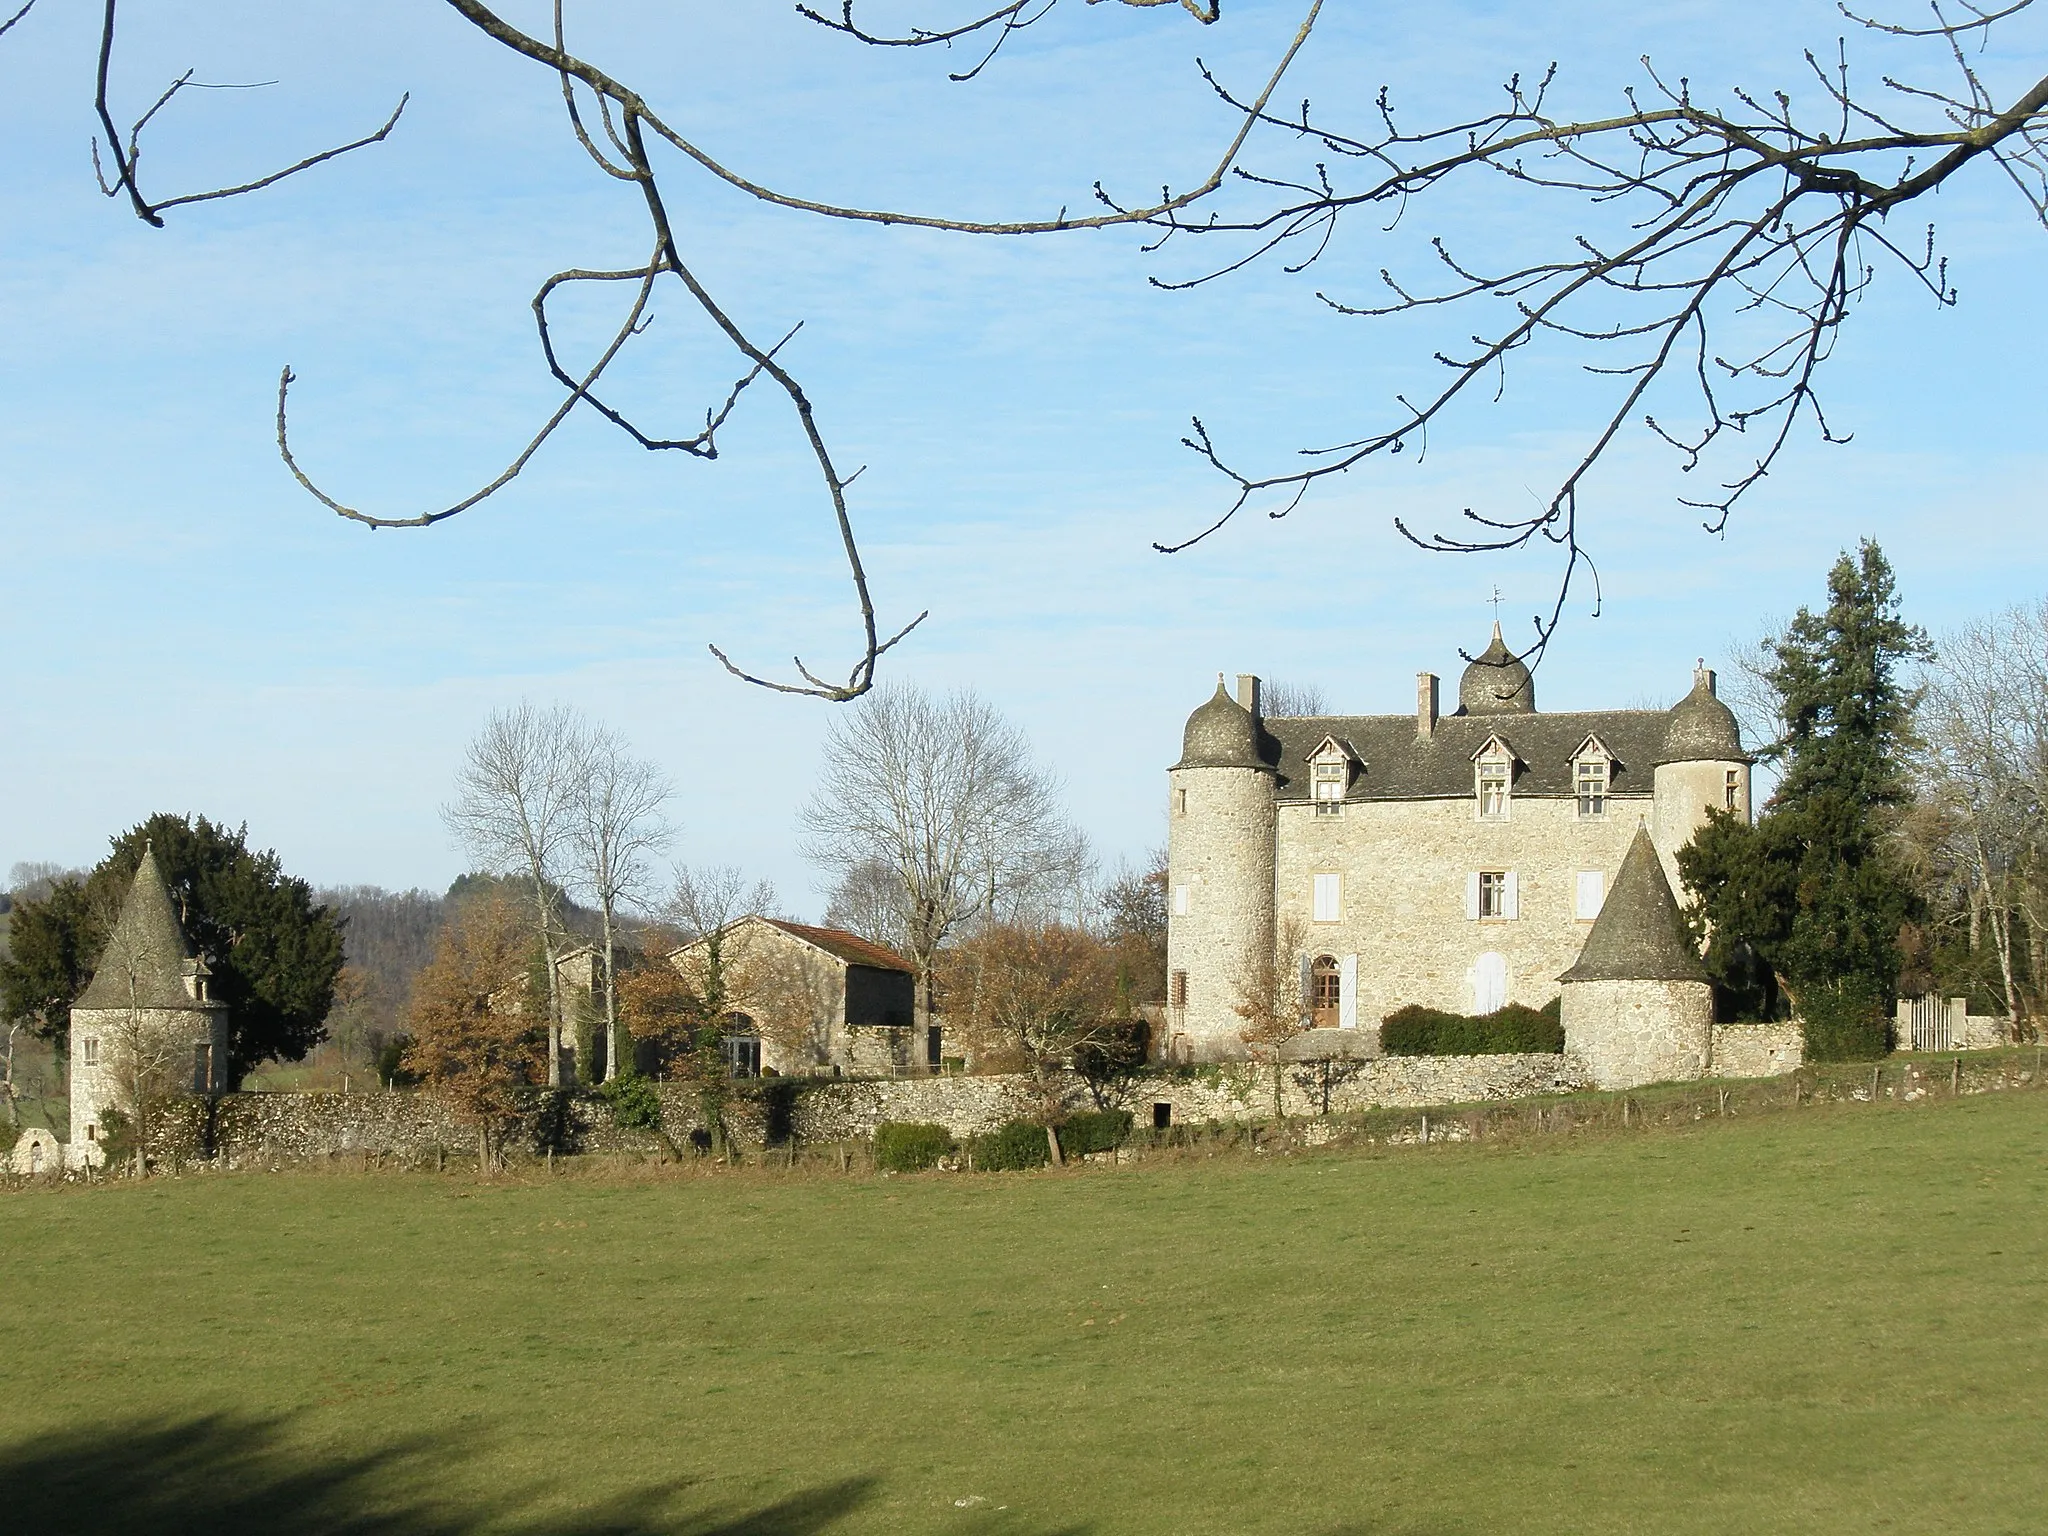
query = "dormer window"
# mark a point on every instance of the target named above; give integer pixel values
(1329, 775)
(1494, 773)
(1592, 778)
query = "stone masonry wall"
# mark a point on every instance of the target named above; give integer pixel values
(264, 1129)
(1629, 1033)
(1756, 1050)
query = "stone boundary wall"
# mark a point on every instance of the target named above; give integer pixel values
(1756, 1050)
(256, 1129)
(259, 1129)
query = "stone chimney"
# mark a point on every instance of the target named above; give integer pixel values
(1703, 676)
(1248, 694)
(1425, 704)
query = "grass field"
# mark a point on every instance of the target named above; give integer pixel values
(1826, 1321)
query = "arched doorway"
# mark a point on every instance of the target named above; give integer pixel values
(1325, 991)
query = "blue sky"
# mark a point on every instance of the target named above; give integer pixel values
(183, 629)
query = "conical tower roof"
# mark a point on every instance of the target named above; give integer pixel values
(148, 947)
(1639, 935)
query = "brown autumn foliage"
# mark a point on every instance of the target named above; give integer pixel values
(476, 1038)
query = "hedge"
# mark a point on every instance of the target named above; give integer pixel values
(1094, 1130)
(1012, 1145)
(1510, 1030)
(907, 1146)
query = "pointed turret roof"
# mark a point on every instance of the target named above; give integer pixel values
(1639, 935)
(148, 946)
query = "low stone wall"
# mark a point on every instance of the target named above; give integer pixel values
(1756, 1050)
(257, 1129)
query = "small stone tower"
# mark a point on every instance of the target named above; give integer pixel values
(1220, 872)
(1702, 768)
(1637, 1005)
(144, 1016)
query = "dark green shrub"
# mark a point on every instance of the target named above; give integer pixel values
(1513, 1029)
(1012, 1145)
(1094, 1130)
(635, 1104)
(117, 1139)
(1119, 1049)
(1843, 1022)
(906, 1146)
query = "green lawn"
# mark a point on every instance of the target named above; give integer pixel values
(1824, 1321)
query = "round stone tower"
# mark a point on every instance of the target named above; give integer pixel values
(1220, 873)
(1702, 768)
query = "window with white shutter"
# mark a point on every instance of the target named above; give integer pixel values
(1511, 895)
(1347, 992)
(1472, 896)
(1329, 898)
(1497, 893)
(1180, 901)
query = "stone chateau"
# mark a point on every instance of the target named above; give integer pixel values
(1459, 860)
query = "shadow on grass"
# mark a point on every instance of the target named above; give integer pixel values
(231, 1475)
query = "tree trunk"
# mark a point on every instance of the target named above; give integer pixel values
(611, 996)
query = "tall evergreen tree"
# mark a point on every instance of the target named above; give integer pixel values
(273, 951)
(1816, 889)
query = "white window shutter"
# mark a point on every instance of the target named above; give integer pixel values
(1592, 894)
(1329, 898)
(1307, 984)
(1472, 895)
(1347, 992)
(1511, 901)
(1180, 901)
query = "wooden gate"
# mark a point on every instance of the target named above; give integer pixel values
(1935, 1022)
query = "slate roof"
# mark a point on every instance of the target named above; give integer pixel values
(1401, 765)
(148, 942)
(1639, 935)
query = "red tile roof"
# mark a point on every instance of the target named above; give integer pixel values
(850, 947)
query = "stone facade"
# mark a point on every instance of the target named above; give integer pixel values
(1371, 849)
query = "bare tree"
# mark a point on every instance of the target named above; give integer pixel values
(1027, 996)
(943, 794)
(616, 828)
(631, 143)
(866, 900)
(1984, 771)
(1704, 219)
(515, 812)
(1285, 700)
(1271, 996)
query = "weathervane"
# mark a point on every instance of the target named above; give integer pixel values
(1496, 605)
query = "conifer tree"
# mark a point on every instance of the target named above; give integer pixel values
(1816, 889)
